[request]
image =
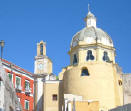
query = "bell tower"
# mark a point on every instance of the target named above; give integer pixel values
(41, 49)
(42, 68)
(43, 65)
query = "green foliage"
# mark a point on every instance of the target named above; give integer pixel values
(57, 78)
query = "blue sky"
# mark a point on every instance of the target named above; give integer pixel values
(23, 23)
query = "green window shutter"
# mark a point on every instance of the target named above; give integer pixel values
(27, 105)
(27, 84)
(17, 82)
(10, 76)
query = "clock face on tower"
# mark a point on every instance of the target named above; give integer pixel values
(40, 66)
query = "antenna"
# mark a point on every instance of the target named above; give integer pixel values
(88, 7)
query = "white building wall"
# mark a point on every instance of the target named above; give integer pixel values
(39, 94)
(127, 88)
(8, 97)
(2, 88)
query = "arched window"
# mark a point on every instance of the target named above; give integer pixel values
(89, 55)
(75, 59)
(41, 49)
(120, 82)
(84, 72)
(105, 57)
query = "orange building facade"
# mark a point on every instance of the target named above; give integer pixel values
(23, 83)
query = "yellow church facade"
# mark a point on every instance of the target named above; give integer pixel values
(92, 81)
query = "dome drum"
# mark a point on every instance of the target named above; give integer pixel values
(85, 86)
(84, 55)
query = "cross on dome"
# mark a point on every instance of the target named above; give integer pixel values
(88, 7)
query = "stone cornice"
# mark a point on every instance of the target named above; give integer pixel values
(98, 45)
(39, 75)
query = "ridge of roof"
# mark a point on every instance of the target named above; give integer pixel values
(17, 67)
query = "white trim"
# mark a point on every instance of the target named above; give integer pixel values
(19, 69)
(85, 100)
(19, 99)
(19, 73)
(22, 92)
(50, 82)
(31, 95)
(69, 107)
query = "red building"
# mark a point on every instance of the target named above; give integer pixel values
(23, 82)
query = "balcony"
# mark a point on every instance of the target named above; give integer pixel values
(27, 91)
(18, 89)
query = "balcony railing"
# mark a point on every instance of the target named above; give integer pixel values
(28, 91)
(18, 89)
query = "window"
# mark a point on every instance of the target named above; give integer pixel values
(54, 97)
(84, 72)
(105, 57)
(41, 49)
(10, 77)
(19, 99)
(18, 82)
(27, 85)
(129, 83)
(0, 84)
(11, 109)
(89, 55)
(26, 105)
(0, 81)
(120, 82)
(75, 59)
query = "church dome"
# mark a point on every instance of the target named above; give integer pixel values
(91, 34)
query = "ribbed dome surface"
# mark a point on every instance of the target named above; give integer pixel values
(92, 35)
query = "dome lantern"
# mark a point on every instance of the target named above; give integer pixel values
(90, 19)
